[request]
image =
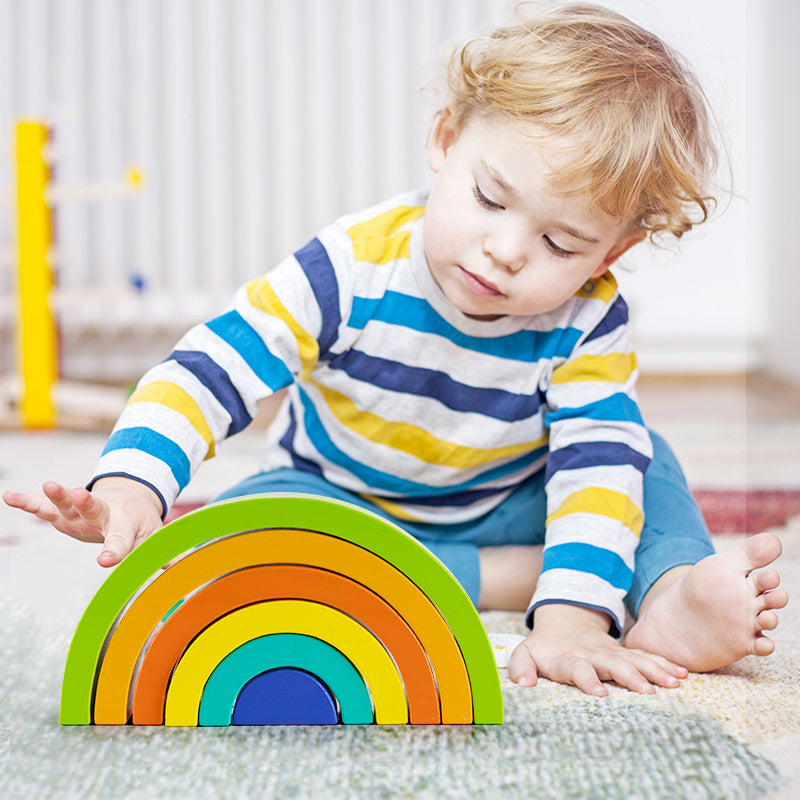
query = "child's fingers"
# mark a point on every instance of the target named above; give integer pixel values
(115, 547)
(119, 539)
(43, 507)
(54, 491)
(522, 667)
(81, 515)
(656, 668)
(92, 510)
(32, 503)
(127, 526)
(21, 501)
(628, 673)
(639, 671)
(658, 676)
(581, 673)
(62, 500)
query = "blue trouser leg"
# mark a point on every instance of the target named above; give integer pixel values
(674, 531)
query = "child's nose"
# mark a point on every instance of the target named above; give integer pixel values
(506, 252)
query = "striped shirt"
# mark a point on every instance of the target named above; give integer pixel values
(396, 395)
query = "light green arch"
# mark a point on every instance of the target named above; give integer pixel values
(279, 511)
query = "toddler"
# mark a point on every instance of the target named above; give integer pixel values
(460, 361)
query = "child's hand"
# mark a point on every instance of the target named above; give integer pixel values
(570, 644)
(119, 512)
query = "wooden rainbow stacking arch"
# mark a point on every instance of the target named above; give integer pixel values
(280, 609)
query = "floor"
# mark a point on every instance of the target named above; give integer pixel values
(729, 433)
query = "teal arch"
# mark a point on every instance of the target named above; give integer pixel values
(280, 650)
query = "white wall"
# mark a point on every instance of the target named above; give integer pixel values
(775, 123)
(257, 121)
(696, 308)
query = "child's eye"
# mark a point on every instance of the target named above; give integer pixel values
(559, 251)
(484, 200)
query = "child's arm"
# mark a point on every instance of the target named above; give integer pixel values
(599, 452)
(571, 644)
(119, 512)
(209, 388)
(206, 390)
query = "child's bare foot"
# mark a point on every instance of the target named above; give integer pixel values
(717, 612)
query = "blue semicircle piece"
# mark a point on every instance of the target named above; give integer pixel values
(285, 696)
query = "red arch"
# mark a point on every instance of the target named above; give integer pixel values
(280, 581)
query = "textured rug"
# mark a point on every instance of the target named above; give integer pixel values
(747, 512)
(730, 734)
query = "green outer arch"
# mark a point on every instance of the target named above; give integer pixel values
(260, 512)
(278, 650)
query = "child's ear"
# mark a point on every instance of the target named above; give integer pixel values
(443, 134)
(618, 250)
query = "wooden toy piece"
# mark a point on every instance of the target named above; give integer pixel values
(281, 650)
(271, 529)
(233, 555)
(273, 582)
(36, 330)
(285, 697)
(285, 616)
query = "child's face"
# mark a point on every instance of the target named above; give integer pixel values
(499, 239)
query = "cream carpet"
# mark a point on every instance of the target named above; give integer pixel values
(731, 734)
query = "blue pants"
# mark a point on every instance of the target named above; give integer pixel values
(674, 531)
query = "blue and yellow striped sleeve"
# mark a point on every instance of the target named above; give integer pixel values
(209, 387)
(599, 452)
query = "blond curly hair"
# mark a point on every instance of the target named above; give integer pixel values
(641, 122)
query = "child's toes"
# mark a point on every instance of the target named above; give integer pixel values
(761, 550)
(777, 598)
(767, 621)
(762, 646)
(767, 580)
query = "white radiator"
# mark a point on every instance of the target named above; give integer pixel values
(255, 122)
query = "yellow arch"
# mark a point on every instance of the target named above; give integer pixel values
(285, 616)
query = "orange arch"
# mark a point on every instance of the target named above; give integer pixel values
(287, 546)
(272, 582)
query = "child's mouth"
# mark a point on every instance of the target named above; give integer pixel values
(478, 285)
